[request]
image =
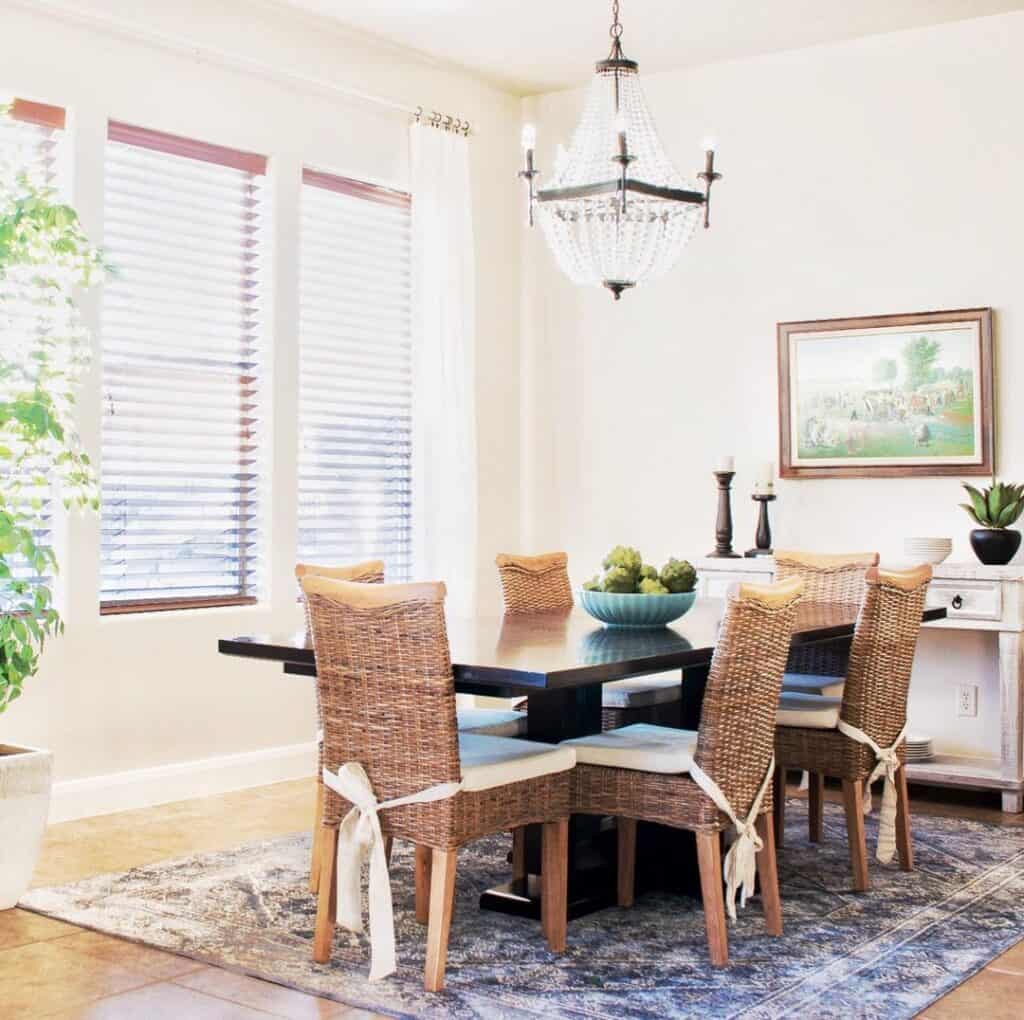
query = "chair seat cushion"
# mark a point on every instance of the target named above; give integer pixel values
(495, 722)
(808, 711)
(641, 691)
(806, 683)
(642, 747)
(498, 761)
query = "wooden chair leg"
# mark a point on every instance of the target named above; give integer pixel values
(554, 882)
(768, 876)
(709, 859)
(779, 804)
(518, 853)
(853, 801)
(815, 806)
(422, 873)
(389, 845)
(904, 844)
(627, 861)
(314, 863)
(327, 897)
(442, 900)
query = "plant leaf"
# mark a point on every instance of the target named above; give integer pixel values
(979, 504)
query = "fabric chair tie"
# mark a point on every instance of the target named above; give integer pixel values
(887, 762)
(740, 869)
(359, 835)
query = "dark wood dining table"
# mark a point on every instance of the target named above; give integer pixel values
(559, 660)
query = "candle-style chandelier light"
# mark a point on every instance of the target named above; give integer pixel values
(617, 211)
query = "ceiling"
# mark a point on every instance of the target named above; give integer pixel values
(530, 46)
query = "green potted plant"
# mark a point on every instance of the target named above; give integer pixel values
(44, 347)
(994, 509)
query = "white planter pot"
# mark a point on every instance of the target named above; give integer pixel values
(26, 776)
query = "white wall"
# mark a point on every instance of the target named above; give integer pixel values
(127, 693)
(869, 177)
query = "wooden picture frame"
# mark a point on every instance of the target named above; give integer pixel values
(887, 396)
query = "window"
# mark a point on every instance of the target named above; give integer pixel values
(30, 142)
(355, 393)
(181, 347)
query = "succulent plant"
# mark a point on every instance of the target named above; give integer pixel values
(652, 586)
(594, 584)
(627, 558)
(997, 506)
(619, 579)
(648, 571)
(678, 575)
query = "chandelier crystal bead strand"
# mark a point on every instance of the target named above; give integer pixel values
(617, 211)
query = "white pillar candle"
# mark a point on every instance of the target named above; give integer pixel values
(725, 464)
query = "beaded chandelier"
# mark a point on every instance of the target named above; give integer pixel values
(617, 211)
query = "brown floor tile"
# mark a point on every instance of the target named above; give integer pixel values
(44, 978)
(262, 995)
(1012, 961)
(990, 994)
(161, 1002)
(154, 964)
(21, 927)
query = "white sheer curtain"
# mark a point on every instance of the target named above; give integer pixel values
(444, 391)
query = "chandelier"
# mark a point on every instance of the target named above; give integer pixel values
(617, 211)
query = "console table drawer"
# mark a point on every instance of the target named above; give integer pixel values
(967, 600)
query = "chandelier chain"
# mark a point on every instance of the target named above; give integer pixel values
(616, 30)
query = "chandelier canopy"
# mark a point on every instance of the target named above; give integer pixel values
(617, 211)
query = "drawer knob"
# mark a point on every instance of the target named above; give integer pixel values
(958, 602)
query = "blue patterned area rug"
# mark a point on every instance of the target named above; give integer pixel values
(888, 953)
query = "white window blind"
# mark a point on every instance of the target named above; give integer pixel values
(355, 404)
(30, 142)
(181, 373)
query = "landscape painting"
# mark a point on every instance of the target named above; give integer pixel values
(892, 395)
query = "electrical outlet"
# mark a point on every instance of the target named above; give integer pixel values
(967, 700)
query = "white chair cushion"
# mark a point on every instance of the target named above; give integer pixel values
(498, 761)
(642, 747)
(800, 683)
(641, 691)
(810, 711)
(495, 722)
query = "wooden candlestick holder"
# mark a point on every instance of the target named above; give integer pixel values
(723, 525)
(763, 538)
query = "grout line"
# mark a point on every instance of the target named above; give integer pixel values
(237, 1002)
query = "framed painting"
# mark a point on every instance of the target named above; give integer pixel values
(886, 396)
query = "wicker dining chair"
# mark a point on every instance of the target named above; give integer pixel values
(874, 702)
(536, 584)
(649, 773)
(368, 572)
(387, 701)
(533, 584)
(818, 668)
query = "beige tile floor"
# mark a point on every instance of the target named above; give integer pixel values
(52, 969)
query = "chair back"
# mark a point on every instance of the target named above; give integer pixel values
(827, 578)
(384, 681)
(368, 572)
(737, 725)
(882, 653)
(533, 584)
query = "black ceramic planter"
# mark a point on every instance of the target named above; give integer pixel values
(995, 546)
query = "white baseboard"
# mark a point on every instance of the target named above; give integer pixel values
(124, 791)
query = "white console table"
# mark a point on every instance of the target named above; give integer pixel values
(975, 597)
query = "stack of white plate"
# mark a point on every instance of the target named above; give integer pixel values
(919, 748)
(927, 550)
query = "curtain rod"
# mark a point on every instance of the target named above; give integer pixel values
(444, 121)
(233, 61)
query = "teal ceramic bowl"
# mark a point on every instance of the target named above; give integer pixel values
(620, 610)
